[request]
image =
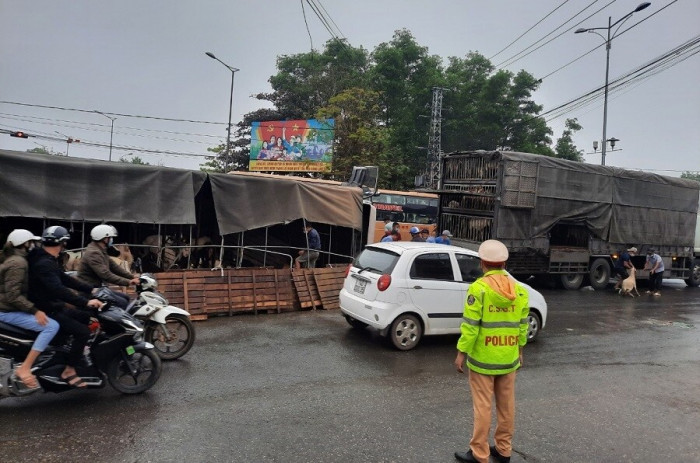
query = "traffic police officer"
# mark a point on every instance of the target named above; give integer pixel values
(494, 331)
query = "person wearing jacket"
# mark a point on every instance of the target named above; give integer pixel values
(50, 290)
(15, 308)
(494, 331)
(97, 268)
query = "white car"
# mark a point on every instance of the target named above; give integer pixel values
(408, 290)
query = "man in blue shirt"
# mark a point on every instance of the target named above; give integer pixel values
(623, 263)
(314, 246)
(444, 238)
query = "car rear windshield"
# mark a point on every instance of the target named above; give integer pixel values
(377, 260)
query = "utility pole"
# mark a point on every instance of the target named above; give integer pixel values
(433, 176)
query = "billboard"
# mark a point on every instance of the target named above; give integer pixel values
(292, 146)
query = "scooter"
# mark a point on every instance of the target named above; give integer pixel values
(116, 354)
(167, 327)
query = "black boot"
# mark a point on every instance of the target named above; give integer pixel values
(466, 457)
(497, 456)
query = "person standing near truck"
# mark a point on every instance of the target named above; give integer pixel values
(655, 265)
(623, 263)
(494, 331)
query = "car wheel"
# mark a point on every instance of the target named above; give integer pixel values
(357, 324)
(572, 281)
(599, 274)
(533, 325)
(405, 332)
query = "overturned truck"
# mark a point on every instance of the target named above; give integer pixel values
(566, 220)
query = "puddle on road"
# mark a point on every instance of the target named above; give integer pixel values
(654, 322)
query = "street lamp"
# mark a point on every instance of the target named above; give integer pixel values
(111, 132)
(607, 62)
(230, 107)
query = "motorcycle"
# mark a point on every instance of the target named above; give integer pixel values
(167, 327)
(116, 353)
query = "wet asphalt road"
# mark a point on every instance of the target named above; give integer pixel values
(609, 379)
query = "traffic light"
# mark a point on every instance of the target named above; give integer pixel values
(19, 134)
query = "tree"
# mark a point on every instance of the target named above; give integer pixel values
(487, 110)
(360, 138)
(133, 160)
(306, 82)
(691, 175)
(404, 74)
(565, 148)
(44, 150)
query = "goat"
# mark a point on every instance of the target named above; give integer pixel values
(629, 284)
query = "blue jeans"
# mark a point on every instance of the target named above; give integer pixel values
(28, 322)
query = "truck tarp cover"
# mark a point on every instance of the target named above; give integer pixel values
(67, 188)
(617, 205)
(244, 202)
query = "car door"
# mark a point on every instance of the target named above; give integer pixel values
(436, 291)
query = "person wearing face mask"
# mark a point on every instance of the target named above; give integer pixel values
(53, 291)
(15, 308)
(96, 268)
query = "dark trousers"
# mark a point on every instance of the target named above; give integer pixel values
(122, 299)
(74, 322)
(655, 281)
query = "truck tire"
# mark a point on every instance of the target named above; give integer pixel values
(599, 274)
(571, 281)
(694, 279)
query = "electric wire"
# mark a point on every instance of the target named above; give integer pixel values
(517, 57)
(106, 130)
(192, 121)
(107, 126)
(645, 71)
(532, 27)
(603, 44)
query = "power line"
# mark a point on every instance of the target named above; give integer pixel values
(670, 58)
(48, 137)
(603, 44)
(514, 58)
(107, 126)
(112, 114)
(22, 119)
(532, 27)
(303, 10)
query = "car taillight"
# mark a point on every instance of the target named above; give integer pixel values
(383, 282)
(347, 270)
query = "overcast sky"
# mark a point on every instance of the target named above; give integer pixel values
(146, 58)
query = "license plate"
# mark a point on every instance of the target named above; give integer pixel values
(360, 286)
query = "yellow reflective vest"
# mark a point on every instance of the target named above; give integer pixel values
(494, 324)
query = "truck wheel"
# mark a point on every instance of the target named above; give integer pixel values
(572, 281)
(599, 274)
(694, 279)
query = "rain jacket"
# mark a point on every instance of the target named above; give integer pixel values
(494, 326)
(14, 282)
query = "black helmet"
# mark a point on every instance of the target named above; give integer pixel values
(54, 236)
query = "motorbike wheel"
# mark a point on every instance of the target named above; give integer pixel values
(147, 368)
(172, 340)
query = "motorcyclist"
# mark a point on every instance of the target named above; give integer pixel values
(50, 290)
(97, 268)
(15, 308)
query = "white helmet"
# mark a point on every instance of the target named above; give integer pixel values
(148, 282)
(103, 231)
(20, 236)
